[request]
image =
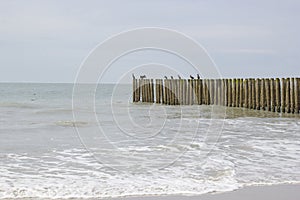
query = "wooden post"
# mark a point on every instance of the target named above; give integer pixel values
(268, 94)
(219, 98)
(297, 96)
(208, 92)
(195, 89)
(164, 93)
(166, 96)
(246, 93)
(287, 98)
(192, 94)
(278, 94)
(250, 93)
(148, 96)
(237, 93)
(147, 91)
(138, 91)
(134, 90)
(253, 93)
(175, 91)
(283, 94)
(172, 92)
(226, 92)
(169, 92)
(152, 91)
(157, 100)
(292, 93)
(200, 92)
(257, 88)
(214, 91)
(262, 95)
(211, 91)
(189, 92)
(241, 103)
(161, 89)
(204, 91)
(222, 96)
(142, 89)
(180, 91)
(234, 92)
(272, 95)
(184, 92)
(230, 93)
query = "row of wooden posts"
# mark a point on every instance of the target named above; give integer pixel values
(277, 95)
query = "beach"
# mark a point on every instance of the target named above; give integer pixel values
(274, 192)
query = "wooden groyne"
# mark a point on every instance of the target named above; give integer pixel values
(270, 94)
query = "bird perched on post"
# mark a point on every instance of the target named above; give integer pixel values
(133, 76)
(165, 77)
(179, 77)
(198, 76)
(191, 77)
(172, 77)
(144, 76)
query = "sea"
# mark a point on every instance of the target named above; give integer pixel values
(54, 145)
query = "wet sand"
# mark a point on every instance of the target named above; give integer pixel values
(275, 192)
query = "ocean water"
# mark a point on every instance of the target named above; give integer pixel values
(53, 147)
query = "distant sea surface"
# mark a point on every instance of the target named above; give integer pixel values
(49, 149)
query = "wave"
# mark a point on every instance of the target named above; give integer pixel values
(18, 105)
(72, 123)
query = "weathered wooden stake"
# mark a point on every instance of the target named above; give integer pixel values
(272, 94)
(257, 88)
(250, 93)
(283, 94)
(262, 95)
(278, 95)
(297, 96)
(292, 93)
(287, 98)
(268, 94)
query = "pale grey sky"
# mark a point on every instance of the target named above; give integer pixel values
(46, 41)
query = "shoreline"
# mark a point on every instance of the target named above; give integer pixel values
(258, 192)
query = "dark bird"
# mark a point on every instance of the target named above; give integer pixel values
(179, 77)
(133, 76)
(198, 76)
(172, 77)
(165, 77)
(191, 77)
(144, 76)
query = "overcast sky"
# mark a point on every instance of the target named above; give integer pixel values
(46, 41)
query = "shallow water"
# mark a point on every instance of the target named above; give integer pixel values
(116, 148)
